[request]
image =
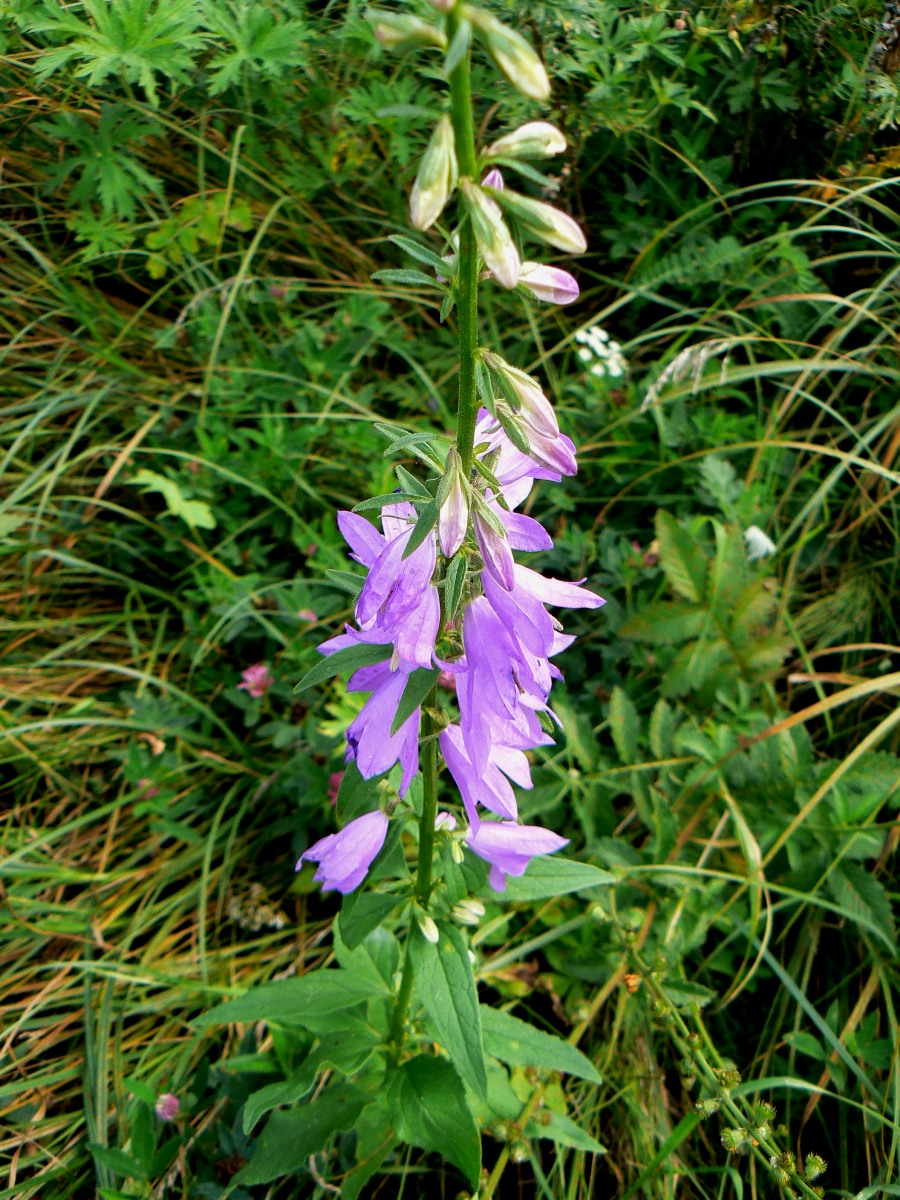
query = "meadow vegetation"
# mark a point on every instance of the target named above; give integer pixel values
(195, 195)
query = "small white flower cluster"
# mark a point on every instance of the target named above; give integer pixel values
(596, 346)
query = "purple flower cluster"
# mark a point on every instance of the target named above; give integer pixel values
(504, 674)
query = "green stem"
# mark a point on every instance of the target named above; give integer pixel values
(467, 257)
(426, 856)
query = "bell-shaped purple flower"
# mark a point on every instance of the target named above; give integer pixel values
(370, 743)
(489, 787)
(344, 858)
(453, 519)
(510, 847)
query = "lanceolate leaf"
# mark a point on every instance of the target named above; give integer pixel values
(426, 522)
(429, 1100)
(625, 725)
(521, 1045)
(551, 876)
(446, 987)
(681, 559)
(344, 662)
(289, 1138)
(418, 685)
(453, 585)
(292, 1000)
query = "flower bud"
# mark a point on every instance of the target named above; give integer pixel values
(436, 178)
(548, 283)
(468, 911)
(429, 929)
(443, 5)
(492, 234)
(544, 221)
(537, 139)
(453, 519)
(534, 407)
(512, 55)
(495, 552)
(446, 821)
(167, 1106)
(493, 179)
(399, 31)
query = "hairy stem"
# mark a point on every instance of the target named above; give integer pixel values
(429, 750)
(467, 257)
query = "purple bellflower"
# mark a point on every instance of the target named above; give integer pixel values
(370, 743)
(344, 858)
(510, 847)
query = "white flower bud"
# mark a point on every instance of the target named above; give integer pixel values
(430, 931)
(445, 820)
(456, 852)
(436, 178)
(544, 221)
(534, 407)
(492, 234)
(549, 284)
(453, 519)
(537, 139)
(512, 55)
(468, 911)
(398, 31)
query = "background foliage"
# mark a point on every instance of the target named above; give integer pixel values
(194, 196)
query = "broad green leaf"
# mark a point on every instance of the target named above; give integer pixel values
(551, 876)
(378, 958)
(117, 1161)
(625, 725)
(681, 559)
(446, 987)
(407, 278)
(289, 1138)
(684, 993)
(418, 685)
(356, 795)
(521, 1045)
(344, 662)
(345, 1050)
(361, 913)
(293, 999)
(429, 1101)
(375, 1139)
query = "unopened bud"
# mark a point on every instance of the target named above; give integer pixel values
(436, 178)
(549, 284)
(544, 221)
(443, 5)
(453, 519)
(456, 852)
(534, 407)
(813, 1166)
(512, 55)
(495, 552)
(399, 31)
(445, 821)
(493, 179)
(429, 929)
(537, 139)
(468, 912)
(492, 234)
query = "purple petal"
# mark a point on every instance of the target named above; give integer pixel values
(361, 536)
(495, 552)
(524, 533)
(344, 858)
(555, 591)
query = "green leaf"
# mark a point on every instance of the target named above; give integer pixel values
(447, 305)
(446, 987)
(409, 483)
(408, 278)
(292, 1000)
(356, 795)
(666, 623)
(377, 958)
(289, 1138)
(429, 1101)
(625, 725)
(348, 581)
(521, 1045)
(194, 513)
(345, 1050)
(418, 685)
(681, 559)
(344, 662)
(458, 48)
(551, 876)
(117, 1161)
(422, 253)
(564, 1131)
(864, 900)
(361, 913)
(426, 522)
(663, 723)
(454, 584)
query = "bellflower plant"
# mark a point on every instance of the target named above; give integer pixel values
(454, 644)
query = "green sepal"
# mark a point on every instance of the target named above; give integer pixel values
(454, 585)
(418, 685)
(428, 518)
(344, 662)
